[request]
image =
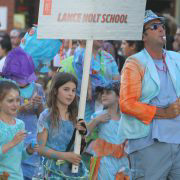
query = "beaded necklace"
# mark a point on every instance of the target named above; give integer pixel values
(165, 68)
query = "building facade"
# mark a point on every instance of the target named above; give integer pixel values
(7, 15)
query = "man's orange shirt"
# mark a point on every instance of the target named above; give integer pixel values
(130, 92)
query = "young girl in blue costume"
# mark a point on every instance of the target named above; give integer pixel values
(20, 68)
(55, 130)
(109, 161)
(12, 132)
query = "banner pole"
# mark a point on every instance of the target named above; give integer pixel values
(83, 95)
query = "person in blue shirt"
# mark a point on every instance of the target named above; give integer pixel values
(12, 132)
(20, 68)
(109, 161)
(56, 125)
(150, 106)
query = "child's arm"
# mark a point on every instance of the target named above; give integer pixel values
(97, 120)
(16, 140)
(52, 154)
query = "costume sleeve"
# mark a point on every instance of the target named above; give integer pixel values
(42, 121)
(130, 92)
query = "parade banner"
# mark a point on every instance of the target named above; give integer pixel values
(91, 19)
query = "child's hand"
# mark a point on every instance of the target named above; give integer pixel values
(28, 105)
(103, 118)
(37, 99)
(32, 148)
(19, 137)
(81, 126)
(72, 158)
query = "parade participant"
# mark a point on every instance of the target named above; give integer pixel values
(42, 51)
(67, 48)
(171, 26)
(176, 43)
(55, 129)
(74, 46)
(67, 64)
(12, 132)
(103, 68)
(108, 161)
(20, 68)
(150, 105)
(108, 46)
(5, 47)
(15, 37)
(131, 47)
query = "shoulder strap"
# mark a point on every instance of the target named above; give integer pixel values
(71, 142)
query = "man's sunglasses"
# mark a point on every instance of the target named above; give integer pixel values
(155, 26)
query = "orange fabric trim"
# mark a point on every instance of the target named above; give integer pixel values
(130, 93)
(103, 148)
(121, 176)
